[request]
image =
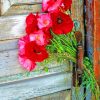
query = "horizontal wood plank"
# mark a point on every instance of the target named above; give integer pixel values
(20, 9)
(14, 27)
(5, 5)
(24, 1)
(35, 87)
(62, 95)
(10, 69)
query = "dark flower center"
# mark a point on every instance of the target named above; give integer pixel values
(36, 51)
(59, 20)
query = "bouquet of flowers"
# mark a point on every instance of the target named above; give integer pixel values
(44, 32)
(53, 32)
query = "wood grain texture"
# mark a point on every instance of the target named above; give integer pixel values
(62, 95)
(10, 71)
(77, 15)
(90, 26)
(97, 40)
(7, 6)
(93, 36)
(20, 9)
(35, 87)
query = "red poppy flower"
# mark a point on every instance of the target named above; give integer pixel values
(30, 53)
(51, 5)
(48, 35)
(35, 52)
(62, 23)
(31, 23)
(66, 4)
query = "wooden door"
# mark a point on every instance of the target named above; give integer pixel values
(16, 83)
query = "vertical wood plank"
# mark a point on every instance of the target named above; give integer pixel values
(77, 93)
(97, 40)
(90, 26)
(88, 94)
(93, 34)
(77, 14)
(0, 7)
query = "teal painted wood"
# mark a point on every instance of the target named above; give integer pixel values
(78, 93)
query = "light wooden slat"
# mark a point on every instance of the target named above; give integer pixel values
(10, 69)
(7, 4)
(62, 95)
(8, 45)
(23, 9)
(14, 27)
(24, 1)
(35, 87)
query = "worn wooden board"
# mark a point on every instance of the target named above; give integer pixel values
(62, 95)
(93, 34)
(35, 87)
(7, 6)
(12, 71)
(77, 15)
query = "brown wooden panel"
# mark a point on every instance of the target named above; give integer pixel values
(93, 34)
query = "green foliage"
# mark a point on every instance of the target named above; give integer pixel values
(63, 43)
(64, 47)
(88, 78)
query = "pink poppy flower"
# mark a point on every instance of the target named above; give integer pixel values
(44, 21)
(39, 37)
(27, 63)
(51, 5)
(31, 23)
(30, 52)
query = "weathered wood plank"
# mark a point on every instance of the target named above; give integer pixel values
(7, 4)
(62, 95)
(78, 93)
(77, 15)
(8, 45)
(23, 9)
(10, 69)
(93, 34)
(24, 1)
(35, 87)
(14, 27)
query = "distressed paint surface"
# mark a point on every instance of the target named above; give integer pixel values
(90, 26)
(93, 34)
(62, 95)
(35, 87)
(97, 40)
